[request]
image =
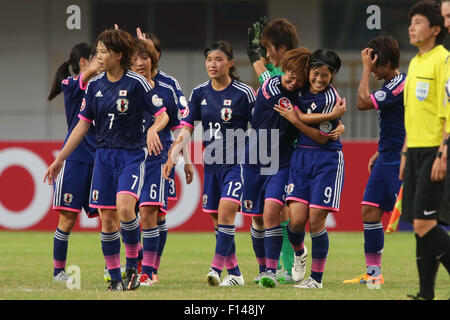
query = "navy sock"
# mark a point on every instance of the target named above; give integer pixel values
(60, 245)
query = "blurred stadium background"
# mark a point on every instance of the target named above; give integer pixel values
(36, 40)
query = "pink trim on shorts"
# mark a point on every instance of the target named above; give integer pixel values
(98, 206)
(150, 204)
(297, 200)
(322, 207)
(184, 123)
(176, 127)
(374, 101)
(84, 118)
(162, 212)
(275, 200)
(209, 211)
(160, 111)
(372, 204)
(128, 192)
(250, 214)
(67, 209)
(231, 199)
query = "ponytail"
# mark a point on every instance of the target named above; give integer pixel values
(81, 50)
(62, 73)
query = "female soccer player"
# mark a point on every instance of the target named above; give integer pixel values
(223, 105)
(116, 100)
(71, 190)
(381, 58)
(153, 201)
(317, 167)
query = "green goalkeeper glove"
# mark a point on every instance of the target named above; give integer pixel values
(254, 49)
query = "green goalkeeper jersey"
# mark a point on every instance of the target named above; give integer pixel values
(271, 71)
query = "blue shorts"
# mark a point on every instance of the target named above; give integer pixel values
(155, 188)
(259, 188)
(383, 186)
(316, 178)
(71, 188)
(224, 185)
(116, 171)
(172, 191)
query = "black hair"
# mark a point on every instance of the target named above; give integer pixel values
(280, 32)
(325, 57)
(226, 48)
(80, 50)
(432, 11)
(118, 41)
(387, 50)
(156, 42)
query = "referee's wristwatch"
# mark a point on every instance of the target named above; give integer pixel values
(439, 154)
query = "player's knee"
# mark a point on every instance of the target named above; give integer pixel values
(258, 223)
(371, 214)
(67, 220)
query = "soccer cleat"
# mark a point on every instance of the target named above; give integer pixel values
(257, 278)
(146, 281)
(232, 280)
(268, 280)
(155, 277)
(310, 283)
(299, 266)
(213, 278)
(285, 278)
(116, 285)
(62, 277)
(107, 276)
(132, 279)
(365, 278)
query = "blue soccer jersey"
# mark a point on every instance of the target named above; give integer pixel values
(163, 95)
(171, 81)
(266, 123)
(118, 110)
(322, 102)
(224, 116)
(73, 90)
(390, 110)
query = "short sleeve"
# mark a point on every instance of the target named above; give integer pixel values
(191, 112)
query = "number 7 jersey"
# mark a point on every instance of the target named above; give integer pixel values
(221, 112)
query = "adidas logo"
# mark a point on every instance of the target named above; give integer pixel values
(99, 94)
(203, 102)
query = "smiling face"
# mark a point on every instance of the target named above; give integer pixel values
(218, 64)
(292, 81)
(319, 78)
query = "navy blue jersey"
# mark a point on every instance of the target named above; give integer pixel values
(171, 81)
(390, 110)
(222, 114)
(118, 110)
(266, 122)
(322, 102)
(73, 90)
(162, 95)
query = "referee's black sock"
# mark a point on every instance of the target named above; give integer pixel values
(437, 242)
(427, 266)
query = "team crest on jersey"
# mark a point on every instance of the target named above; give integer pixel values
(68, 197)
(422, 90)
(326, 127)
(225, 114)
(204, 200)
(248, 204)
(83, 104)
(95, 195)
(157, 101)
(284, 102)
(122, 105)
(122, 93)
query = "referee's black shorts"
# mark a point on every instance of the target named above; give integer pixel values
(422, 198)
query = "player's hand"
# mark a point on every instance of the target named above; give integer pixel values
(339, 108)
(254, 51)
(139, 34)
(367, 60)
(437, 171)
(52, 172)
(116, 27)
(153, 142)
(337, 132)
(288, 113)
(167, 168)
(188, 172)
(372, 161)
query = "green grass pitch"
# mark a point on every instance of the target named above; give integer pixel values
(26, 270)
